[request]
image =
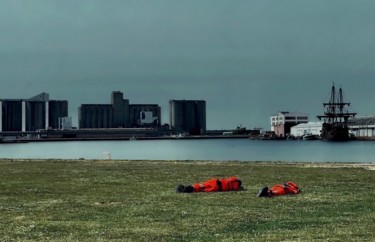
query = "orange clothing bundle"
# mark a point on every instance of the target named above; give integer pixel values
(280, 189)
(283, 189)
(218, 185)
(213, 185)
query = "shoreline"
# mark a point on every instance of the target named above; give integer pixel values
(126, 138)
(134, 138)
(302, 164)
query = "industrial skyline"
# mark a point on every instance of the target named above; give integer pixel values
(40, 117)
(247, 59)
(40, 113)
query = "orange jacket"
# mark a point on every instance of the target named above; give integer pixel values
(218, 185)
(283, 189)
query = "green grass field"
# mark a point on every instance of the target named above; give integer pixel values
(65, 200)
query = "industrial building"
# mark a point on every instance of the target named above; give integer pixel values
(188, 116)
(31, 114)
(144, 115)
(65, 123)
(282, 122)
(119, 114)
(96, 116)
(314, 128)
(362, 127)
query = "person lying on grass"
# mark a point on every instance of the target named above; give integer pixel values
(279, 189)
(213, 185)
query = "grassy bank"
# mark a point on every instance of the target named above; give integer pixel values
(136, 201)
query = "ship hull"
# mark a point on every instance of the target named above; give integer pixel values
(334, 133)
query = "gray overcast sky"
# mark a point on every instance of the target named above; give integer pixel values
(248, 59)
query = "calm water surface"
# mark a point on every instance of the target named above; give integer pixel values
(218, 150)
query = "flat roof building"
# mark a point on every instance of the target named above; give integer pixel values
(314, 128)
(118, 114)
(38, 112)
(144, 115)
(362, 127)
(95, 116)
(188, 116)
(283, 121)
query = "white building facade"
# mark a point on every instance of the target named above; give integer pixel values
(299, 130)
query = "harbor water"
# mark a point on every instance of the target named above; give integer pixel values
(200, 149)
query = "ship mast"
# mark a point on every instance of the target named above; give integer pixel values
(336, 110)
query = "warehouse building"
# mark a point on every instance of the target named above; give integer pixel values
(31, 114)
(188, 116)
(118, 114)
(314, 128)
(362, 127)
(282, 122)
